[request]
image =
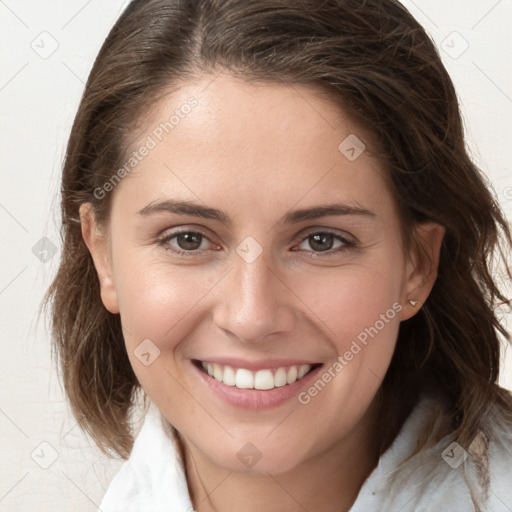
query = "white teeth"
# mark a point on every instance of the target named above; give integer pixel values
(229, 376)
(280, 377)
(291, 376)
(262, 379)
(303, 370)
(244, 379)
(217, 372)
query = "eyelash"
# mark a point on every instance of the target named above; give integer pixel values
(347, 244)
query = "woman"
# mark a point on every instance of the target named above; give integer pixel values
(273, 230)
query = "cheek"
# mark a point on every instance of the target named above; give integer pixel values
(360, 312)
(360, 309)
(155, 300)
(159, 307)
(353, 297)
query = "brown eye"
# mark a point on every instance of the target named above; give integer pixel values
(321, 241)
(189, 241)
(185, 242)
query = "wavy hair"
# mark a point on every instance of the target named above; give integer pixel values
(376, 62)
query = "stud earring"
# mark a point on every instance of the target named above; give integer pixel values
(413, 303)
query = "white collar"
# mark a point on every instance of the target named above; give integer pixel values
(153, 480)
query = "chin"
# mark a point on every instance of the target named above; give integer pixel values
(256, 459)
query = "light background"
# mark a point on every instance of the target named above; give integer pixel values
(39, 95)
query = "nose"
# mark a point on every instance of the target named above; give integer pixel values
(254, 301)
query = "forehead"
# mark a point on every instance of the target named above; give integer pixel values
(220, 135)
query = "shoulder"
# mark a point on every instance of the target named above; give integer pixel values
(443, 476)
(493, 452)
(152, 479)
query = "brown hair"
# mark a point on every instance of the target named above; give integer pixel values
(374, 60)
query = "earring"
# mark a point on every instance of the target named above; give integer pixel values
(413, 303)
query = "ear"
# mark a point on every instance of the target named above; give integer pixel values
(422, 267)
(98, 244)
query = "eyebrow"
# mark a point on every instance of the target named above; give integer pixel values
(295, 216)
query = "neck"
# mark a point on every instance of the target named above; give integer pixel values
(328, 482)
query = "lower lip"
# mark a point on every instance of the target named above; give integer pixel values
(255, 398)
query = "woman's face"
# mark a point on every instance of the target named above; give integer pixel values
(257, 238)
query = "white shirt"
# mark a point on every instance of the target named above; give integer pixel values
(437, 480)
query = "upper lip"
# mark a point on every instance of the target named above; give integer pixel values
(261, 364)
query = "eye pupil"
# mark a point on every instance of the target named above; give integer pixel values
(321, 242)
(189, 241)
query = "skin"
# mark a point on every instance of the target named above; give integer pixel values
(258, 152)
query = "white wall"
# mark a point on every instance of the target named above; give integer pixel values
(38, 99)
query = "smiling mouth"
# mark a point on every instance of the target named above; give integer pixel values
(263, 380)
